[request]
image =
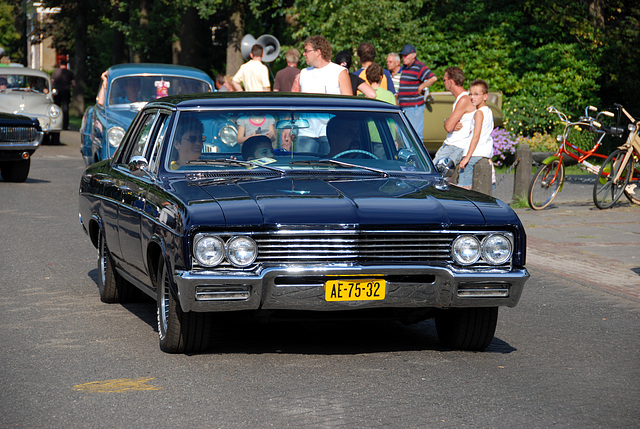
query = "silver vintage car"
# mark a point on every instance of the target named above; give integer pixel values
(27, 92)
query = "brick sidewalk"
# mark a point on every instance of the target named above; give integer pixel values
(598, 248)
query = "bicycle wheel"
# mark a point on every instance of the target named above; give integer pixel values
(632, 190)
(546, 184)
(605, 191)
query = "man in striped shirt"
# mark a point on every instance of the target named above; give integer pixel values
(415, 78)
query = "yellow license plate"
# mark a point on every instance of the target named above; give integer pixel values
(355, 290)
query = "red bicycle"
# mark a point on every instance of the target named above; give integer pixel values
(549, 179)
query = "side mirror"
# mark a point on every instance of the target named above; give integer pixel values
(139, 165)
(445, 167)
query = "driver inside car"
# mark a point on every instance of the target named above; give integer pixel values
(343, 135)
(188, 142)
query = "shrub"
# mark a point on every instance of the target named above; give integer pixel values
(541, 142)
(504, 144)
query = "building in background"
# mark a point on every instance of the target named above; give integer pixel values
(41, 53)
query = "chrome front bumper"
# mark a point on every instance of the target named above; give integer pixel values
(302, 288)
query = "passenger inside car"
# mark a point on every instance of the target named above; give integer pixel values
(257, 147)
(188, 142)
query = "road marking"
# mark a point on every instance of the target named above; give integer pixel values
(118, 385)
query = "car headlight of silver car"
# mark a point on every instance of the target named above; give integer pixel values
(54, 111)
(493, 249)
(115, 135)
(229, 135)
(241, 251)
(208, 250)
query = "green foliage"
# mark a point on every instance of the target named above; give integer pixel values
(540, 142)
(9, 35)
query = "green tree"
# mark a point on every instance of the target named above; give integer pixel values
(10, 36)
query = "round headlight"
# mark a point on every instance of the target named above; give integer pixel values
(466, 249)
(496, 249)
(241, 251)
(229, 135)
(115, 135)
(208, 251)
(54, 111)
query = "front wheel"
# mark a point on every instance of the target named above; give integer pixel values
(546, 184)
(608, 189)
(467, 328)
(179, 332)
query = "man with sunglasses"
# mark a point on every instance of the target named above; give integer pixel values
(414, 80)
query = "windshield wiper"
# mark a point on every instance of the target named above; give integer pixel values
(326, 161)
(227, 161)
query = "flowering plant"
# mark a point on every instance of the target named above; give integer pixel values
(504, 144)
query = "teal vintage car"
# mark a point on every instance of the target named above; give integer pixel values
(124, 90)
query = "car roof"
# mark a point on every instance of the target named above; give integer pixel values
(157, 69)
(23, 71)
(273, 100)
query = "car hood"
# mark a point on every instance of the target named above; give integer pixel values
(24, 103)
(122, 116)
(370, 202)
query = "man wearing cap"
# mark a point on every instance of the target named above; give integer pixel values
(415, 78)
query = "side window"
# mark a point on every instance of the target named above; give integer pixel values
(138, 143)
(163, 123)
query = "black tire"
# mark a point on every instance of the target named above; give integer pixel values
(15, 171)
(54, 138)
(112, 287)
(467, 328)
(546, 184)
(179, 332)
(605, 191)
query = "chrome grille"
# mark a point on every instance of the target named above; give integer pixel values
(360, 247)
(17, 134)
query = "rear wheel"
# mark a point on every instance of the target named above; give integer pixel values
(467, 328)
(546, 184)
(606, 191)
(113, 288)
(15, 171)
(179, 332)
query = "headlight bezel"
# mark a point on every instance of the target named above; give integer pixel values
(227, 254)
(231, 254)
(208, 240)
(481, 246)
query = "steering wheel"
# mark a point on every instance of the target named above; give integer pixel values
(346, 152)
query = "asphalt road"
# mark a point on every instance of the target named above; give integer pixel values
(566, 356)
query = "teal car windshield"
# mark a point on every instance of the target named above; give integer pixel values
(136, 89)
(294, 140)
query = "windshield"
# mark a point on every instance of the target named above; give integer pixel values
(285, 140)
(135, 89)
(24, 83)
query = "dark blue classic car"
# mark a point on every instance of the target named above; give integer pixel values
(281, 205)
(124, 89)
